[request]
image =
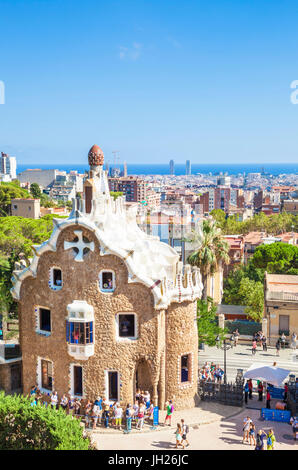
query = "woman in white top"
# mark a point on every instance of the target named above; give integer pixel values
(54, 399)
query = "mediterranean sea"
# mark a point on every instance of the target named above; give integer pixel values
(163, 169)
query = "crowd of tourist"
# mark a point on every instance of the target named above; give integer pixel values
(257, 438)
(102, 411)
(211, 373)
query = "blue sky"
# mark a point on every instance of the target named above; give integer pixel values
(207, 81)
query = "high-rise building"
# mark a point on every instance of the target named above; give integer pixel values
(172, 167)
(125, 169)
(188, 168)
(8, 165)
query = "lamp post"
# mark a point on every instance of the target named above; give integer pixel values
(225, 346)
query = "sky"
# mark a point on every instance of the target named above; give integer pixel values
(153, 80)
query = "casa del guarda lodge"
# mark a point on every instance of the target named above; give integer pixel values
(105, 309)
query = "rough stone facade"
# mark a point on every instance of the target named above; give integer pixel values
(148, 282)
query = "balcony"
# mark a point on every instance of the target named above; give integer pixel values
(282, 296)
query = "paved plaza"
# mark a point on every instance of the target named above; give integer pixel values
(216, 432)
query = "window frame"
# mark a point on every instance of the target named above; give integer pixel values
(38, 328)
(126, 338)
(53, 286)
(87, 331)
(107, 382)
(43, 387)
(100, 281)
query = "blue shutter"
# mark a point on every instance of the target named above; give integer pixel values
(91, 332)
(67, 331)
(71, 331)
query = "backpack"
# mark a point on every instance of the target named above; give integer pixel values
(259, 440)
(269, 441)
(172, 408)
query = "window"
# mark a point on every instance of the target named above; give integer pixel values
(57, 277)
(46, 374)
(107, 281)
(112, 386)
(45, 319)
(185, 377)
(79, 332)
(77, 380)
(127, 325)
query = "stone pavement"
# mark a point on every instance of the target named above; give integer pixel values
(223, 433)
(205, 413)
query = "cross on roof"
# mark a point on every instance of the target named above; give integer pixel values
(80, 245)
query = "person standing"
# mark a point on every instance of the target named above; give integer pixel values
(63, 402)
(270, 440)
(95, 414)
(88, 408)
(252, 434)
(71, 405)
(268, 399)
(128, 414)
(246, 427)
(118, 417)
(264, 343)
(246, 391)
(250, 387)
(283, 340)
(260, 391)
(141, 416)
(54, 400)
(293, 341)
(106, 413)
(260, 440)
(170, 410)
(179, 436)
(185, 431)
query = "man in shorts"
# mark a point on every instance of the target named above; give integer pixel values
(185, 431)
(170, 409)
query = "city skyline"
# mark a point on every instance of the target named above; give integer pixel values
(197, 82)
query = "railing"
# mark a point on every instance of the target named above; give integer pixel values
(227, 394)
(291, 296)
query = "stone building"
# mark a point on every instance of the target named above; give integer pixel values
(105, 308)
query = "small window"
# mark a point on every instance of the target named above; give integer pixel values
(185, 368)
(45, 319)
(79, 332)
(107, 281)
(46, 375)
(57, 277)
(78, 380)
(127, 326)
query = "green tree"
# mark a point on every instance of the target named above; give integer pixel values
(276, 258)
(35, 191)
(211, 249)
(27, 427)
(253, 297)
(9, 191)
(208, 330)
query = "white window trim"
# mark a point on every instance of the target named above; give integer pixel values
(38, 330)
(51, 281)
(107, 385)
(107, 291)
(71, 378)
(39, 375)
(126, 339)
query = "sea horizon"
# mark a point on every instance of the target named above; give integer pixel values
(164, 169)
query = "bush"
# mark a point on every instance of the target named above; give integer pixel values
(27, 427)
(244, 327)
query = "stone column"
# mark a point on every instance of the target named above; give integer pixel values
(221, 320)
(162, 382)
(265, 326)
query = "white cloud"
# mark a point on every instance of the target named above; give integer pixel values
(130, 53)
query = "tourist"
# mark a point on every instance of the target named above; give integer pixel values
(77, 406)
(98, 402)
(106, 412)
(71, 405)
(147, 399)
(88, 408)
(264, 343)
(136, 412)
(33, 390)
(246, 428)
(113, 417)
(170, 410)
(283, 340)
(293, 341)
(286, 392)
(270, 440)
(236, 335)
(250, 387)
(96, 411)
(54, 400)
(277, 346)
(141, 416)
(179, 436)
(254, 347)
(268, 399)
(150, 410)
(252, 434)
(185, 431)
(246, 391)
(64, 402)
(129, 415)
(118, 417)
(260, 390)
(260, 440)
(138, 395)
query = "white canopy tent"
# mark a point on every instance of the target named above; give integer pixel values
(269, 374)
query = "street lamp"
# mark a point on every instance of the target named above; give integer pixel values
(225, 346)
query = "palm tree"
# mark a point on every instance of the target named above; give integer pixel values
(210, 250)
